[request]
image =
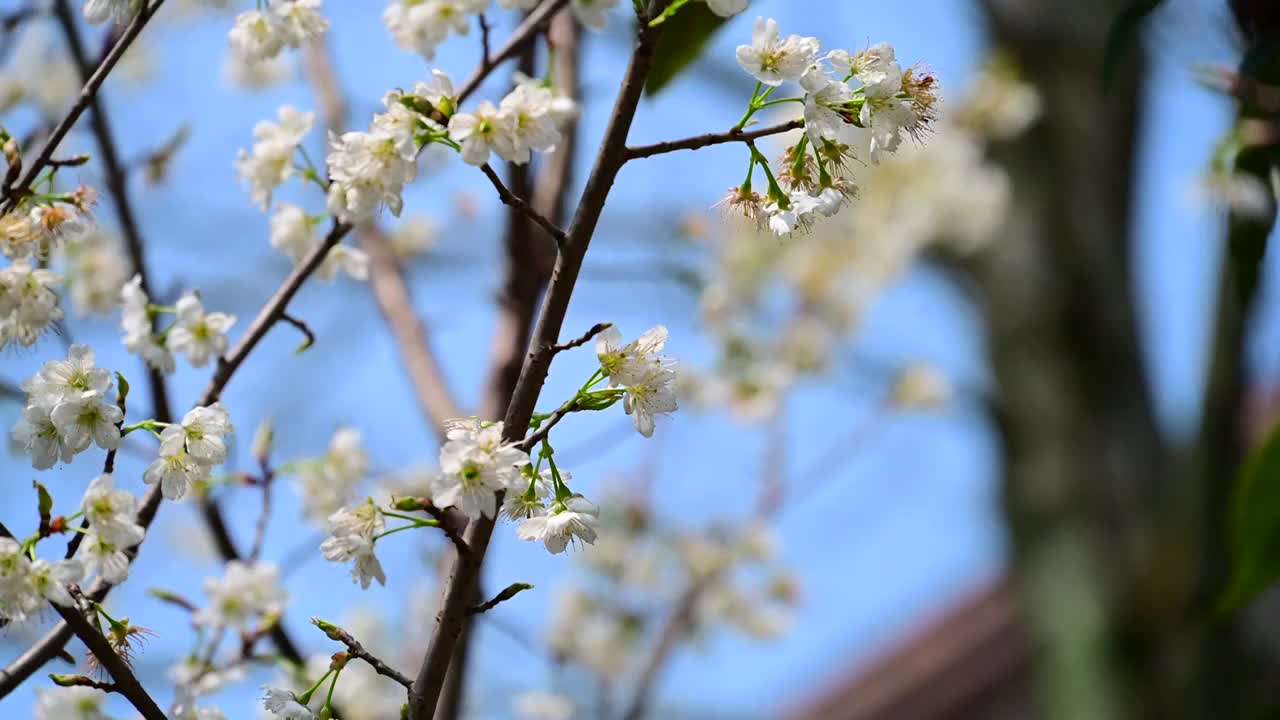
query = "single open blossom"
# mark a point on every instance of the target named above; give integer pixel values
(256, 36)
(358, 550)
(117, 11)
(422, 25)
(201, 433)
(75, 377)
(773, 61)
(475, 465)
(18, 599)
(824, 100)
(573, 519)
(284, 704)
(482, 131)
(175, 472)
(87, 419)
(106, 558)
(594, 13)
(135, 323)
(37, 434)
(244, 593)
(298, 20)
(624, 364)
(111, 512)
(364, 519)
(651, 395)
(200, 335)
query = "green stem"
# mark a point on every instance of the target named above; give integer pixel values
(328, 699)
(779, 101)
(410, 518)
(402, 528)
(671, 10)
(305, 697)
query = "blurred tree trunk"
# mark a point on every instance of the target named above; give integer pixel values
(1084, 461)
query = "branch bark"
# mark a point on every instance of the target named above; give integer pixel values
(460, 583)
(701, 141)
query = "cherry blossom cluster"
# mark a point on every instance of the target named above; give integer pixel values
(199, 335)
(259, 35)
(190, 450)
(27, 581)
(839, 119)
(780, 311)
(70, 405)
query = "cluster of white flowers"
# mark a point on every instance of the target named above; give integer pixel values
(528, 119)
(475, 465)
(420, 26)
(328, 482)
(648, 378)
(28, 303)
(352, 534)
(34, 229)
(200, 335)
(260, 35)
(113, 529)
(245, 594)
(190, 450)
(70, 405)
(889, 102)
(270, 162)
(26, 584)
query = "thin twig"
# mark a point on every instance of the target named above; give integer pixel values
(507, 593)
(355, 649)
(73, 161)
(552, 420)
(533, 24)
(586, 337)
(484, 40)
(267, 480)
(460, 583)
(448, 525)
(528, 210)
(302, 327)
(709, 139)
(87, 94)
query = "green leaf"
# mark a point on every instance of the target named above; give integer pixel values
(684, 35)
(1123, 36)
(45, 502)
(1255, 525)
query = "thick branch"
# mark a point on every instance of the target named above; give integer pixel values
(700, 141)
(532, 25)
(460, 584)
(87, 94)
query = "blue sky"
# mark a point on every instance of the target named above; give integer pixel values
(907, 525)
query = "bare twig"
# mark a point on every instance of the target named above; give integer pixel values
(507, 593)
(267, 480)
(355, 649)
(449, 525)
(73, 161)
(586, 337)
(87, 94)
(552, 420)
(302, 327)
(523, 207)
(709, 139)
(460, 582)
(484, 39)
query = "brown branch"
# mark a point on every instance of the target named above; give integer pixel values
(709, 139)
(484, 39)
(676, 627)
(87, 94)
(449, 524)
(460, 582)
(355, 649)
(510, 199)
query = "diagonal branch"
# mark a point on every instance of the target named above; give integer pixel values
(82, 103)
(533, 24)
(508, 198)
(355, 649)
(700, 141)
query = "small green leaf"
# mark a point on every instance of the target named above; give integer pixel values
(45, 503)
(1123, 36)
(684, 36)
(1255, 525)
